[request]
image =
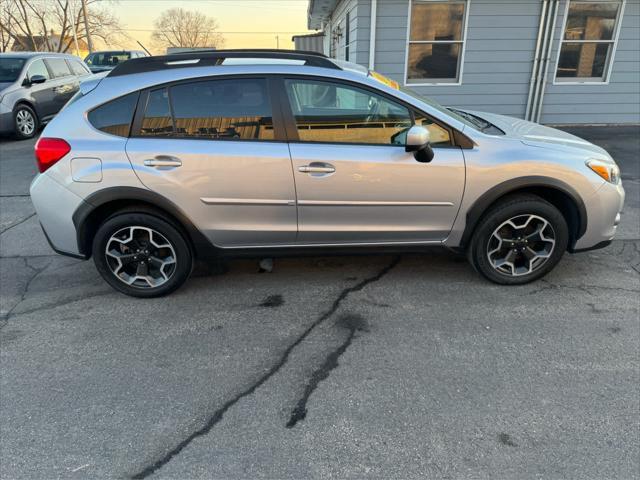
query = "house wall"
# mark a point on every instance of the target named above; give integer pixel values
(499, 54)
(615, 102)
(499, 50)
(359, 15)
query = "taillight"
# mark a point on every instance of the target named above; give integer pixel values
(49, 151)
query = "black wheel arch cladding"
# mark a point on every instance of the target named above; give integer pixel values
(558, 193)
(100, 205)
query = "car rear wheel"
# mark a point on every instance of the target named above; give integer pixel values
(25, 122)
(519, 240)
(141, 255)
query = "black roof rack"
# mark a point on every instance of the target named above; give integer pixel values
(207, 58)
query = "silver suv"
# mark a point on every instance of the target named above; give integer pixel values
(173, 158)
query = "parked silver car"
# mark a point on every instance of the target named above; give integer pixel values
(168, 159)
(34, 87)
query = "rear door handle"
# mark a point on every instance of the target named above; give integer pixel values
(163, 161)
(317, 167)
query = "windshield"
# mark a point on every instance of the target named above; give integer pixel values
(447, 111)
(107, 59)
(10, 69)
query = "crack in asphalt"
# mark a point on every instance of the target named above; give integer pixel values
(588, 289)
(15, 195)
(352, 323)
(17, 223)
(35, 272)
(284, 357)
(64, 302)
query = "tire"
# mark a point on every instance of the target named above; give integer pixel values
(131, 255)
(25, 122)
(515, 256)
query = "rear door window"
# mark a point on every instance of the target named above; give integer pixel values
(115, 117)
(237, 109)
(59, 67)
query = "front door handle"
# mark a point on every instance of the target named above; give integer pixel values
(317, 167)
(163, 161)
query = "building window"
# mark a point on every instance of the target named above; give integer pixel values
(589, 40)
(435, 46)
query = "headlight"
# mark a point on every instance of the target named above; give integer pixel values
(606, 169)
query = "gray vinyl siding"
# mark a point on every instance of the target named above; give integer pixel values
(339, 20)
(499, 53)
(615, 102)
(500, 44)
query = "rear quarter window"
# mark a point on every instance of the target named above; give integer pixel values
(115, 117)
(78, 68)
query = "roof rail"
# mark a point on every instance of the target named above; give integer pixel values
(208, 58)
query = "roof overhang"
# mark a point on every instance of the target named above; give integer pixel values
(319, 11)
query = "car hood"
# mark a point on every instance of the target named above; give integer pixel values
(538, 135)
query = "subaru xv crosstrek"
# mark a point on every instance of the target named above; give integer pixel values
(170, 159)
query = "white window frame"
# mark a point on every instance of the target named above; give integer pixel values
(349, 42)
(612, 54)
(467, 5)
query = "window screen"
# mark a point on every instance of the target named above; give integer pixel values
(223, 109)
(338, 113)
(115, 116)
(436, 38)
(587, 44)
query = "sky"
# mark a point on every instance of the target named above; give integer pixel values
(243, 23)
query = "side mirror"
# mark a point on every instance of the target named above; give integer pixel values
(418, 143)
(37, 79)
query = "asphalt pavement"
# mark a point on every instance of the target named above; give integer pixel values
(405, 366)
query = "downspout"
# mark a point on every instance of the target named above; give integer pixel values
(536, 59)
(372, 34)
(545, 40)
(547, 59)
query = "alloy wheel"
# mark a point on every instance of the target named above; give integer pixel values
(140, 257)
(25, 122)
(521, 245)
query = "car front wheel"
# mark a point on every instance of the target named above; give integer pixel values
(141, 255)
(519, 240)
(25, 122)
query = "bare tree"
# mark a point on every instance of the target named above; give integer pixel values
(25, 20)
(177, 27)
(7, 13)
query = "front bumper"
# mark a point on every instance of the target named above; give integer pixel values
(604, 210)
(55, 205)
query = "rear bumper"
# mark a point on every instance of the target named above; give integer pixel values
(55, 205)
